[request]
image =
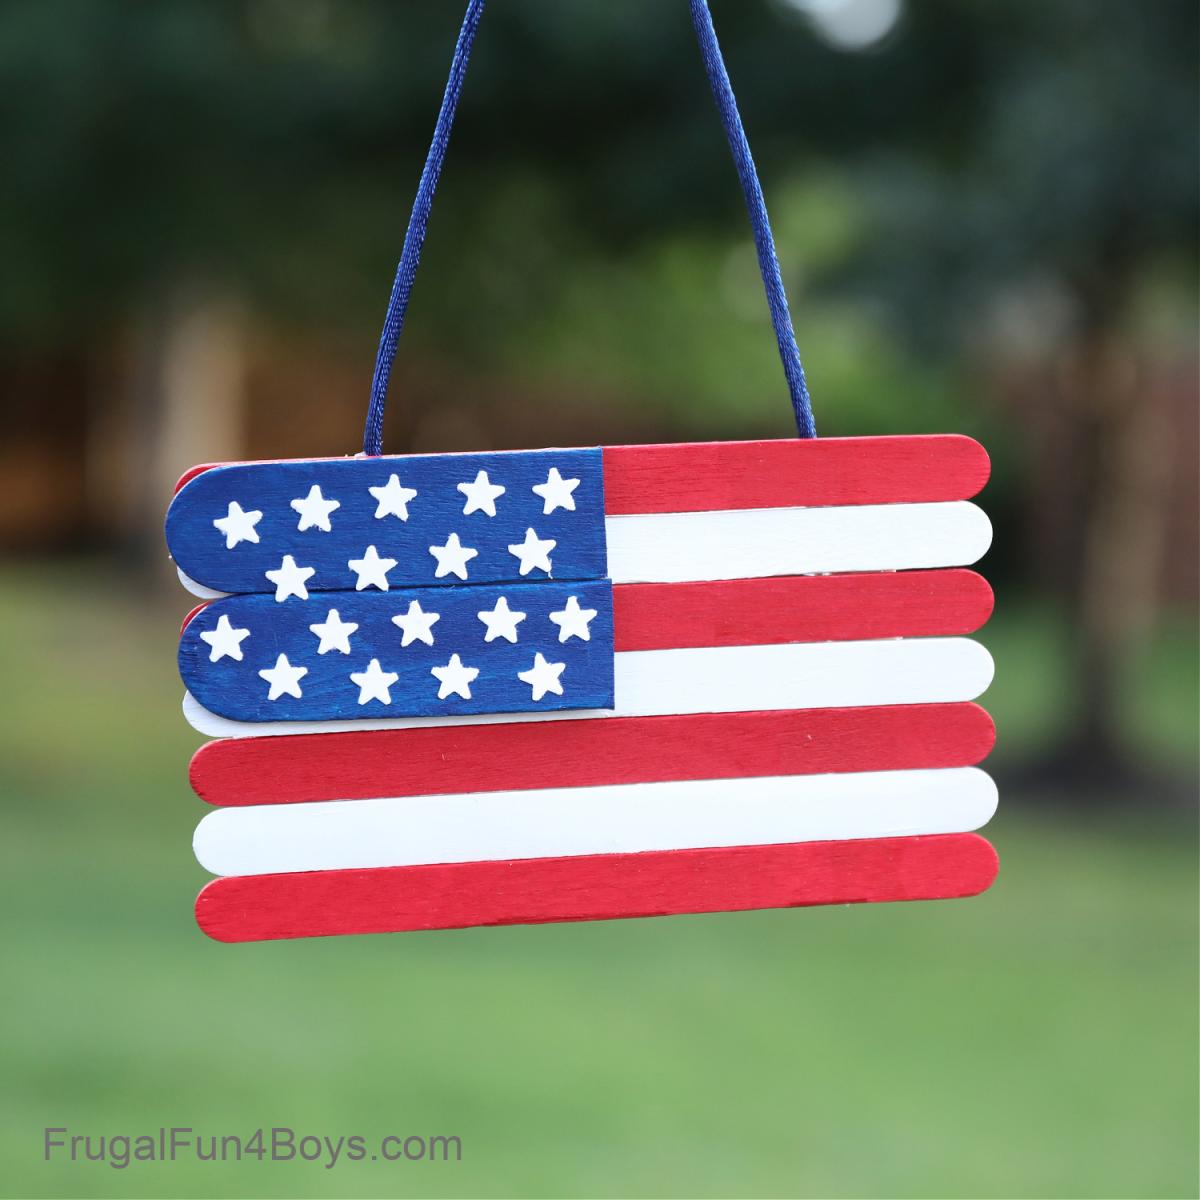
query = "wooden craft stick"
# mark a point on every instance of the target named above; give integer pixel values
(622, 819)
(722, 679)
(489, 758)
(602, 887)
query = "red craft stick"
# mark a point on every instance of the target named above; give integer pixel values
(701, 476)
(595, 887)
(794, 608)
(588, 753)
(799, 608)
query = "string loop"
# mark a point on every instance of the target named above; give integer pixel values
(414, 237)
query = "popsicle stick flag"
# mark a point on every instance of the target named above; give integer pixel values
(545, 685)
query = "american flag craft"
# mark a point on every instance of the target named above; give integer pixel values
(496, 688)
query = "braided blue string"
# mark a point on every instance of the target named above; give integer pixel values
(414, 237)
(768, 260)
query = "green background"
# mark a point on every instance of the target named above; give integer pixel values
(986, 216)
(1039, 1040)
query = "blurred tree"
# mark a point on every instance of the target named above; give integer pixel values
(1034, 232)
(993, 188)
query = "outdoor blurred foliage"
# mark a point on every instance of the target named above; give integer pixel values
(986, 214)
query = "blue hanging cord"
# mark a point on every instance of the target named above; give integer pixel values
(414, 237)
(768, 260)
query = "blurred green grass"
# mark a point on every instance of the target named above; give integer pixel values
(1038, 1041)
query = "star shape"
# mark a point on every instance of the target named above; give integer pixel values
(534, 552)
(371, 570)
(454, 678)
(556, 492)
(501, 621)
(393, 499)
(334, 633)
(238, 525)
(452, 558)
(314, 510)
(225, 640)
(374, 683)
(283, 678)
(543, 677)
(289, 579)
(417, 624)
(573, 621)
(481, 495)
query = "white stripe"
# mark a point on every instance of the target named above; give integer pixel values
(746, 543)
(331, 836)
(754, 542)
(723, 679)
(198, 589)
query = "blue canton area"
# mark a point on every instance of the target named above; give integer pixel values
(405, 652)
(293, 528)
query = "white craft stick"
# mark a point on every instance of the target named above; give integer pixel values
(674, 547)
(723, 679)
(757, 542)
(330, 836)
(198, 589)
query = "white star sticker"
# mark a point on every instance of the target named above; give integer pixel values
(238, 525)
(556, 492)
(374, 683)
(371, 570)
(573, 621)
(283, 678)
(314, 509)
(501, 621)
(417, 624)
(543, 677)
(225, 640)
(481, 495)
(289, 579)
(452, 558)
(334, 633)
(454, 678)
(393, 499)
(534, 552)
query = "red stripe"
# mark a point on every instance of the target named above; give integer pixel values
(794, 608)
(799, 608)
(187, 620)
(597, 887)
(192, 472)
(511, 756)
(699, 476)
(200, 468)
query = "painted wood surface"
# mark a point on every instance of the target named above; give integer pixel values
(702, 476)
(724, 679)
(746, 543)
(191, 614)
(198, 589)
(760, 704)
(622, 819)
(692, 476)
(535, 891)
(430, 518)
(799, 608)
(791, 608)
(251, 659)
(229, 525)
(674, 547)
(489, 758)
